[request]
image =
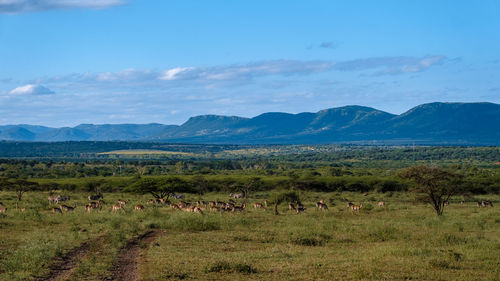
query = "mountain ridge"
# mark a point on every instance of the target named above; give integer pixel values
(433, 123)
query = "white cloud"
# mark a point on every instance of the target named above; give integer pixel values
(174, 73)
(21, 6)
(30, 89)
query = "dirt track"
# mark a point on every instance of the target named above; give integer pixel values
(125, 268)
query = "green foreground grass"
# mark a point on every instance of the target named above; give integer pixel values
(402, 241)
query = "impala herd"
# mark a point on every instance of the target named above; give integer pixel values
(200, 206)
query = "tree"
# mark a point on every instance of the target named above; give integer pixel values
(436, 184)
(159, 187)
(21, 186)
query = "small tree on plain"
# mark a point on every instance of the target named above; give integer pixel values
(437, 185)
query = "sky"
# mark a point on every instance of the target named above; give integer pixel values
(68, 62)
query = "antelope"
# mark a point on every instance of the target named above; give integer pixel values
(67, 208)
(258, 206)
(238, 208)
(198, 210)
(214, 208)
(23, 209)
(56, 210)
(486, 203)
(323, 207)
(173, 206)
(90, 206)
(265, 203)
(95, 197)
(122, 202)
(182, 204)
(462, 202)
(319, 205)
(381, 204)
(300, 208)
(212, 203)
(63, 198)
(150, 201)
(117, 207)
(291, 206)
(139, 208)
(3, 209)
(349, 204)
(356, 208)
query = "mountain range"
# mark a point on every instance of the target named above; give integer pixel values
(432, 123)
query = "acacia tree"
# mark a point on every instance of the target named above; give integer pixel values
(158, 187)
(436, 185)
(20, 186)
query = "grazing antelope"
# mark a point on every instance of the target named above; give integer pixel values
(122, 202)
(349, 204)
(150, 202)
(320, 203)
(258, 206)
(238, 208)
(486, 203)
(67, 208)
(3, 209)
(56, 211)
(23, 209)
(117, 207)
(89, 207)
(356, 208)
(300, 208)
(214, 208)
(381, 204)
(139, 207)
(323, 206)
(198, 210)
(291, 206)
(95, 197)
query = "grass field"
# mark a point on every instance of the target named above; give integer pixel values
(401, 241)
(131, 152)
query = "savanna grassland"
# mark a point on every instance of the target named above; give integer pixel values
(403, 240)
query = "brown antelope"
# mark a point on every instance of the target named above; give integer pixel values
(258, 206)
(3, 209)
(265, 203)
(356, 208)
(198, 210)
(139, 207)
(117, 207)
(214, 208)
(23, 209)
(173, 206)
(95, 197)
(238, 208)
(323, 207)
(122, 202)
(349, 204)
(67, 208)
(56, 211)
(486, 203)
(150, 202)
(381, 204)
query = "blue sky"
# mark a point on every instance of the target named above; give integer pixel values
(66, 62)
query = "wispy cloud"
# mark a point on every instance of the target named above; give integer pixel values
(30, 89)
(392, 65)
(21, 6)
(226, 76)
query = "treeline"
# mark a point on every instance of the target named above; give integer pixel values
(241, 183)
